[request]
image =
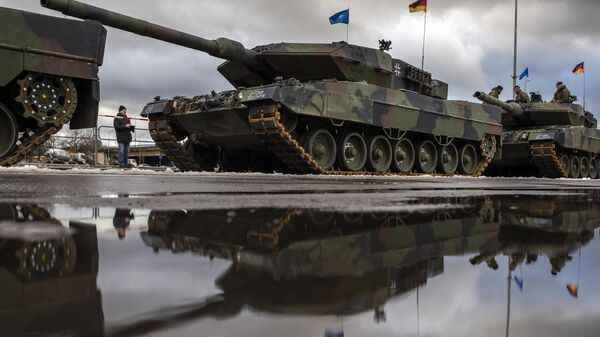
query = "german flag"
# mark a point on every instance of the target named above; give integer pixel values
(573, 289)
(579, 69)
(418, 6)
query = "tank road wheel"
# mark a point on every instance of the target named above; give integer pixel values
(47, 98)
(9, 131)
(565, 161)
(593, 168)
(380, 154)
(427, 156)
(575, 167)
(321, 146)
(352, 152)
(403, 155)
(585, 166)
(448, 161)
(467, 162)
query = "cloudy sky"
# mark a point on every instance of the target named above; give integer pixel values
(469, 42)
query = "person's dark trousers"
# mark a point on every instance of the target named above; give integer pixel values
(123, 154)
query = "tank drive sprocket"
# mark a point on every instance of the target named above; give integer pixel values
(47, 98)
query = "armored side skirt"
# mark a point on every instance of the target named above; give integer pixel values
(335, 103)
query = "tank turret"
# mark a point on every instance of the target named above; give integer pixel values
(262, 64)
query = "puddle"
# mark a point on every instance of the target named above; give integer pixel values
(477, 265)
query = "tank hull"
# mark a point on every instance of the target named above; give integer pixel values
(48, 78)
(224, 120)
(520, 156)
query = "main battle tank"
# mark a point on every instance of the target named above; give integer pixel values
(552, 140)
(312, 108)
(48, 77)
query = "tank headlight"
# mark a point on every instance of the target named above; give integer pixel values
(524, 136)
(240, 95)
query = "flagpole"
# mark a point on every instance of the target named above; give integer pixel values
(508, 300)
(584, 90)
(514, 76)
(348, 25)
(423, 51)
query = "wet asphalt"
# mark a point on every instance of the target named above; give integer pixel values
(222, 191)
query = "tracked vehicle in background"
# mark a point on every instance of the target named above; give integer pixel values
(312, 108)
(553, 140)
(48, 78)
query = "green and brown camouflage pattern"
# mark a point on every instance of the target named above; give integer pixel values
(567, 125)
(322, 263)
(318, 262)
(223, 118)
(41, 44)
(338, 87)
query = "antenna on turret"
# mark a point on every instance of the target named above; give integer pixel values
(385, 45)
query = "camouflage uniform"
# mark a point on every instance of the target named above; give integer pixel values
(562, 94)
(521, 96)
(496, 91)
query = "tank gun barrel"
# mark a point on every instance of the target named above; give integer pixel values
(222, 47)
(512, 108)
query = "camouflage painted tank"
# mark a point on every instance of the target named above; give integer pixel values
(324, 263)
(48, 77)
(312, 108)
(552, 140)
(320, 262)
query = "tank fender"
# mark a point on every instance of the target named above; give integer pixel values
(11, 66)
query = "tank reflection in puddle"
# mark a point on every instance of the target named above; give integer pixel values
(552, 226)
(47, 275)
(324, 263)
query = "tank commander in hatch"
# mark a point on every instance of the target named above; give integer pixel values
(496, 91)
(520, 95)
(562, 94)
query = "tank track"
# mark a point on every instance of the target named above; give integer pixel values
(162, 134)
(28, 142)
(266, 122)
(546, 159)
(268, 236)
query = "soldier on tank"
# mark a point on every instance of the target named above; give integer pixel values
(496, 91)
(520, 95)
(562, 94)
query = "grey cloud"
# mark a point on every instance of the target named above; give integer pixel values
(469, 42)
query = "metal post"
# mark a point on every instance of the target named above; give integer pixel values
(348, 25)
(584, 89)
(96, 146)
(423, 51)
(514, 76)
(509, 279)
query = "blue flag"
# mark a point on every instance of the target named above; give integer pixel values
(331, 333)
(519, 282)
(340, 17)
(524, 74)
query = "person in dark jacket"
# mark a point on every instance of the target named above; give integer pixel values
(122, 220)
(123, 130)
